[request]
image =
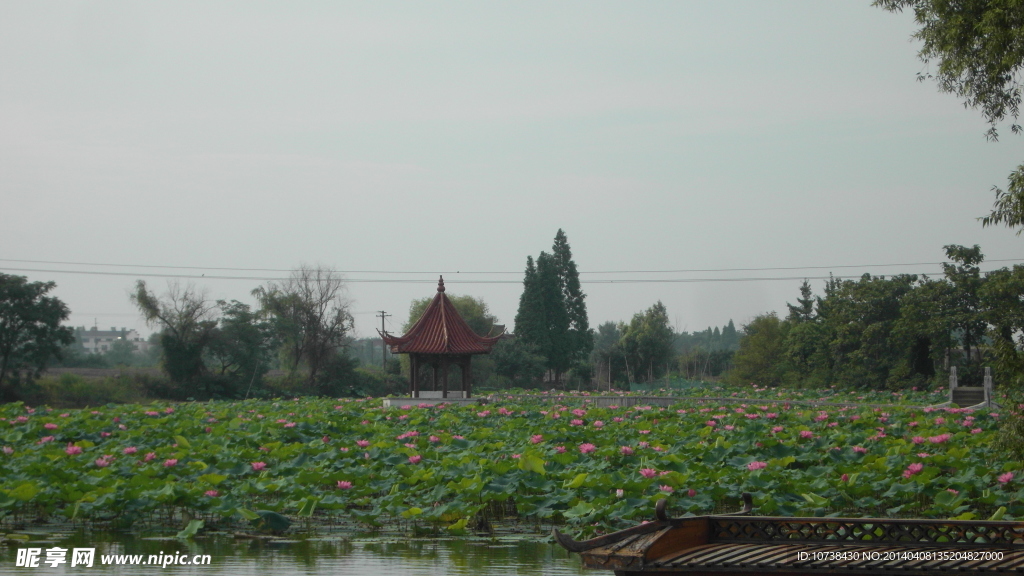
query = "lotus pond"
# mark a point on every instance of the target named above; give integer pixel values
(523, 464)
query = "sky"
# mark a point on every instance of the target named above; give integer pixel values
(398, 141)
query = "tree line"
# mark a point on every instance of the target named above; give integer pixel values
(899, 331)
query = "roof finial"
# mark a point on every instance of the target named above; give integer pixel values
(440, 283)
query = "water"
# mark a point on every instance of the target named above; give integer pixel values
(334, 555)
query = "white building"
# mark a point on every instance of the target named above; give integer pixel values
(96, 341)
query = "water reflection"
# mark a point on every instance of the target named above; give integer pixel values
(335, 555)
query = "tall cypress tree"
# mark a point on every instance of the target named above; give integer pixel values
(555, 316)
(580, 337)
(530, 316)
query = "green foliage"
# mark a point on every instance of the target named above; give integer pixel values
(74, 391)
(185, 317)
(518, 361)
(581, 338)
(241, 349)
(310, 319)
(646, 344)
(552, 314)
(30, 330)
(979, 47)
(759, 358)
(1004, 312)
(473, 310)
(899, 331)
(262, 464)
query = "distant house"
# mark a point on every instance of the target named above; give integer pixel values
(96, 341)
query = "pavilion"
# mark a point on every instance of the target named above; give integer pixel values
(439, 339)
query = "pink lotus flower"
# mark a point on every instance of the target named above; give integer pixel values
(914, 468)
(152, 413)
(598, 424)
(806, 434)
(343, 448)
(282, 421)
(626, 450)
(290, 425)
(1005, 478)
(71, 450)
(917, 439)
(211, 493)
(730, 427)
(362, 443)
(952, 491)
(711, 423)
(66, 414)
(587, 448)
(484, 414)
(616, 419)
(777, 429)
(691, 492)
(576, 422)
(619, 493)
(8, 450)
(46, 439)
(643, 444)
(560, 449)
(976, 431)
(757, 465)
(939, 439)
(170, 462)
(101, 463)
(344, 485)
(434, 439)
(645, 431)
(415, 459)
(104, 434)
(257, 466)
(536, 439)
(844, 478)
(50, 426)
(666, 488)
(648, 472)
(149, 456)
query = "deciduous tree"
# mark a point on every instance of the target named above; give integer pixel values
(311, 317)
(979, 49)
(30, 328)
(186, 318)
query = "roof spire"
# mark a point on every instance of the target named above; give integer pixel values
(440, 283)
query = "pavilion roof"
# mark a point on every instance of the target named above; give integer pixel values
(440, 330)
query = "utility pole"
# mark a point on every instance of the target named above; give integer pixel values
(383, 346)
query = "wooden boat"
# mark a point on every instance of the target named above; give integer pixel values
(743, 544)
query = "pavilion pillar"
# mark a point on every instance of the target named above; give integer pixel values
(467, 382)
(414, 368)
(444, 378)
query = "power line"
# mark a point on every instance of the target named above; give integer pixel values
(670, 271)
(431, 281)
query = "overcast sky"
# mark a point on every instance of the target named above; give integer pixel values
(458, 137)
